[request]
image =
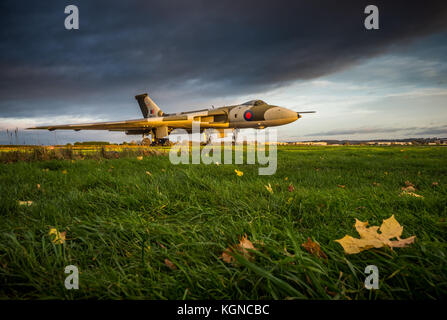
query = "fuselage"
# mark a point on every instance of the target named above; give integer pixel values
(252, 114)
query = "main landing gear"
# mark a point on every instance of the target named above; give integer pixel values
(154, 141)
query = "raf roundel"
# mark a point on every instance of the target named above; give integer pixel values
(248, 115)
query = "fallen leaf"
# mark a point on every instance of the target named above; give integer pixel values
(242, 248)
(140, 158)
(291, 188)
(409, 187)
(341, 186)
(148, 173)
(286, 178)
(25, 203)
(331, 293)
(269, 188)
(434, 184)
(161, 245)
(58, 237)
(314, 249)
(370, 238)
(226, 256)
(244, 244)
(170, 264)
(409, 193)
(376, 184)
(38, 186)
(64, 171)
(239, 173)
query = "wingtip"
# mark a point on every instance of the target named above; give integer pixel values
(37, 128)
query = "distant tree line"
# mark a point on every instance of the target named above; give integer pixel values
(91, 143)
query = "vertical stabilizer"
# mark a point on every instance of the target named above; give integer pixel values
(148, 107)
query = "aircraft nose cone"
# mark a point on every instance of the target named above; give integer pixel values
(280, 113)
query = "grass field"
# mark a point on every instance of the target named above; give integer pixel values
(122, 223)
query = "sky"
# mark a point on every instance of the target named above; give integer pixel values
(303, 55)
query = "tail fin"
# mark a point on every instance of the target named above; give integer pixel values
(148, 107)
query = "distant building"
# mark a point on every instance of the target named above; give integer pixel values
(311, 143)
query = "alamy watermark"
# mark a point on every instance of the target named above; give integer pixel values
(72, 280)
(372, 20)
(72, 20)
(372, 281)
(262, 150)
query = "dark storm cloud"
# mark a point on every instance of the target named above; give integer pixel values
(183, 48)
(428, 130)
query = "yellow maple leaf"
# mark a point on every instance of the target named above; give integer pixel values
(239, 173)
(58, 237)
(370, 238)
(269, 188)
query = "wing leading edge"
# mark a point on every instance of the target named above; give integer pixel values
(112, 126)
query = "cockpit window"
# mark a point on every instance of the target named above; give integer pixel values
(254, 103)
